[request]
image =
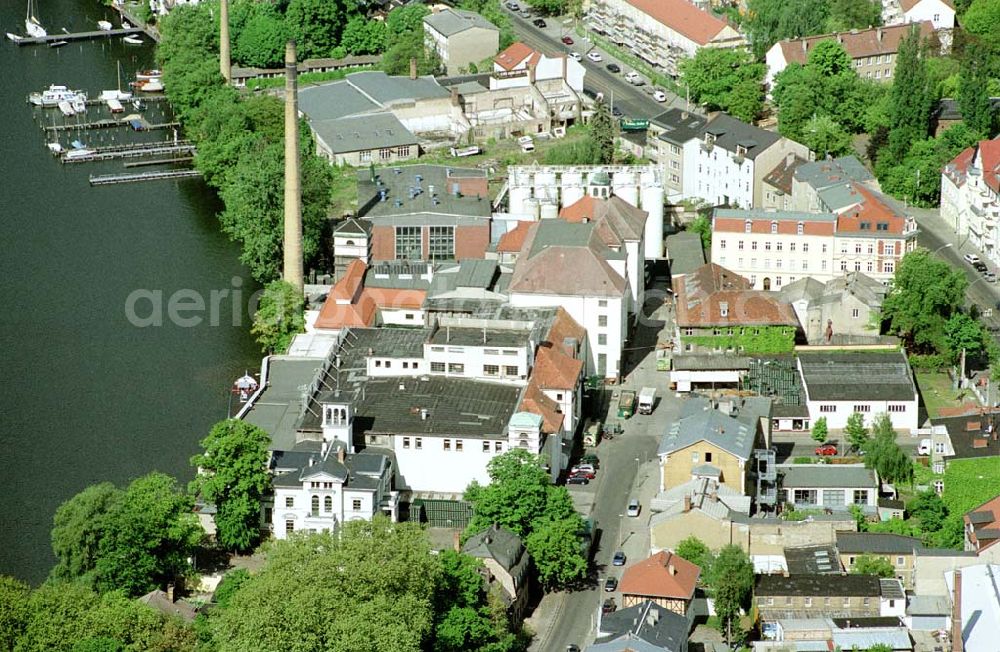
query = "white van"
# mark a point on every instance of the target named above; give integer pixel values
(526, 143)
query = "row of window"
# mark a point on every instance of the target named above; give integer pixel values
(767, 245)
(876, 58)
(327, 502)
(809, 601)
(459, 349)
(864, 409)
(387, 364)
(831, 497)
(494, 370)
(446, 444)
(385, 153)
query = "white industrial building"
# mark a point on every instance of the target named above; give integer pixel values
(538, 192)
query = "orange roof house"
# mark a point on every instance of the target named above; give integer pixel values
(664, 578)
(517, 55)
(982, 525)
(351, 305)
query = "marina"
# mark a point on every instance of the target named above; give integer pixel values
(108, 179)
(74, 36)
(139, 124)
(135, 151)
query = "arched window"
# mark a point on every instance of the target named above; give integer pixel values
(774, 227)
(315, 504)
(328, 504)
(748, 226)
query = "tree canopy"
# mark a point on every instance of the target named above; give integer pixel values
(883, 453)
(521, 498)
(873, 565)
(725, 79)
(924, 295)
(911, 96)
(855, 431)
(232, 474)
(731, 584)
(279, 317)
(697, 552)
(820, 431)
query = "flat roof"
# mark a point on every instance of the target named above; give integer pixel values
(857, 375)
(818, 585)
(279, 406)
(826, 476)
(462, 336)
(437, 185)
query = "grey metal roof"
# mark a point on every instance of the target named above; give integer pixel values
(857, 375)
(777, 216)
(333, 100)
(830, 172)
(278, 408)
(877, 543)
(685, 252)
(352, 226)
(896, 638)
(383, 89)
(645, 623)
(700, 421)
(358, 133)
(383, 342)
(892, 589)
(499, 337)
(928, 605)
(811, 560)
(453, 21)
(818, 585)
(827, 476)
(679, 126)
(710, 362)
(398, 180)
(730, 132)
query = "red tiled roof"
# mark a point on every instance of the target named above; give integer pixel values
(516, 53)
(872, 210)
(554, 369)
(334, 316)
(347, 287)
(664, 575)
(564, 326)
(700, 296)
(350, 305)
(989, 154)
(536, 402)
(990, 507)
(616, 219)
(862, 43)
(512, 241)
(957, 168)
(394, 298)
(682, 17)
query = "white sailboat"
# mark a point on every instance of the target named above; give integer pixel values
(31, 24)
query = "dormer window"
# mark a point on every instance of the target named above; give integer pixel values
(774, 227)
(866, 226)
(741, 150)
(800, 227)
(709, 139)
(723, 309)
(882, 226)
(747, 226)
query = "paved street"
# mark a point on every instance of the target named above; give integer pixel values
(633, 101)
(628, 470)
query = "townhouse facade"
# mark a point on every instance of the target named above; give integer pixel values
(662, 33)
(460, 38)
(970, 196)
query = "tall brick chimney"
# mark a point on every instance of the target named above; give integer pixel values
(413, 68)
(225, 65)
(956, 615)
(292, 271)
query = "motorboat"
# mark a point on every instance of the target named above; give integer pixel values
(79, 104)
(57, 44)
(66, 108)
(82, 152)
(105, 26)
(144, 75)
(115, 94)
(15, 37)
(133, 40)
(115, 106)
(52, 96)
(55, 147)
(153, 85)
(138, 104)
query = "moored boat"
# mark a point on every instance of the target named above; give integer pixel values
(153, 85)
(15, 37)
(104, 26)
(55, 147)
(57, 44)
(143, 75)
(53, 95)
(132, 40)
(33, 28)
(115, 106)
(115, 94)
(82, 152)
(66, 108)
(79, 104)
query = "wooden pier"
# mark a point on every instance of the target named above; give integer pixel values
(132, 151)
(159, 161)
(79, 36)
(107, 179)
(108, 123)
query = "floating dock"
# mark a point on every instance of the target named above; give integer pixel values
(159, 161)
(79, 36)
(133, 151)
(107, 179)
(110, 122)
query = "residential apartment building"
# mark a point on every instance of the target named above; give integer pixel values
(982, 526)
(900, 551)
(661, 32)
(666, 137)
(872, 51)
(940, 13)
(460, 38)
(727, 166)
(970, 196)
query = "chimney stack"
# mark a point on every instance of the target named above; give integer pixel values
(225, 65)
(880, 34)
(956, 615)
(672, 569)
(341, 455)
(687, 504)
(413, 68)
(454, 96)
(292, 272)
(170, 592)
(456, 541)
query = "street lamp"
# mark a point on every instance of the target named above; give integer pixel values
(637, 467)
(621, 529)
(944, 246)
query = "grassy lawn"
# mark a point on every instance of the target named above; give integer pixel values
(935, 387)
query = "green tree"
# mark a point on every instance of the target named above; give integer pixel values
(702, 225)
(407, 20)
(261, 42)
(464, 618)
(824, 136)
(697, 552)
(977, 109)
(872, 565)
(882, 452)
(14, 610)
(911, 96)
(963, 333)
(926, 291)
(363, 36)
(725, 79)
(604, 131)
(78, 527)
(550, 7)
(396, 60)
(521, 498)
(983, 20)
(731, 585)
(279, 318)
(232, 474)
(769, 21)
(317, 25)
(905, 528)
(850, 14)
(855, 431)
(368, 587)
(929, 509)
(820, 432)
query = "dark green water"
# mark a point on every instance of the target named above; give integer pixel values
(85, 396)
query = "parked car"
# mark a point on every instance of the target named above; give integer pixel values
(618, 559)
(615, 111)
(592, 460)
(583, 466)
(610, 584)
(609, 606)
(989, 277)
(577, 479)
(980, 266)
(828, 449)
(592, 94)
(572, 648)
(576, 56)
(513, 6)
(634, 78)
(595, 56)
(525, 13)
(659, 96)
(614, 67)
(526, 144)
(539, 23)
(633, 508)
(972, 259)
(567, 40)
(590, 475)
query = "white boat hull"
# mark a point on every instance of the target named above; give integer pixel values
(15, 37)
(34, 29)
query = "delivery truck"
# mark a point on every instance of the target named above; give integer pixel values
(647, 396)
